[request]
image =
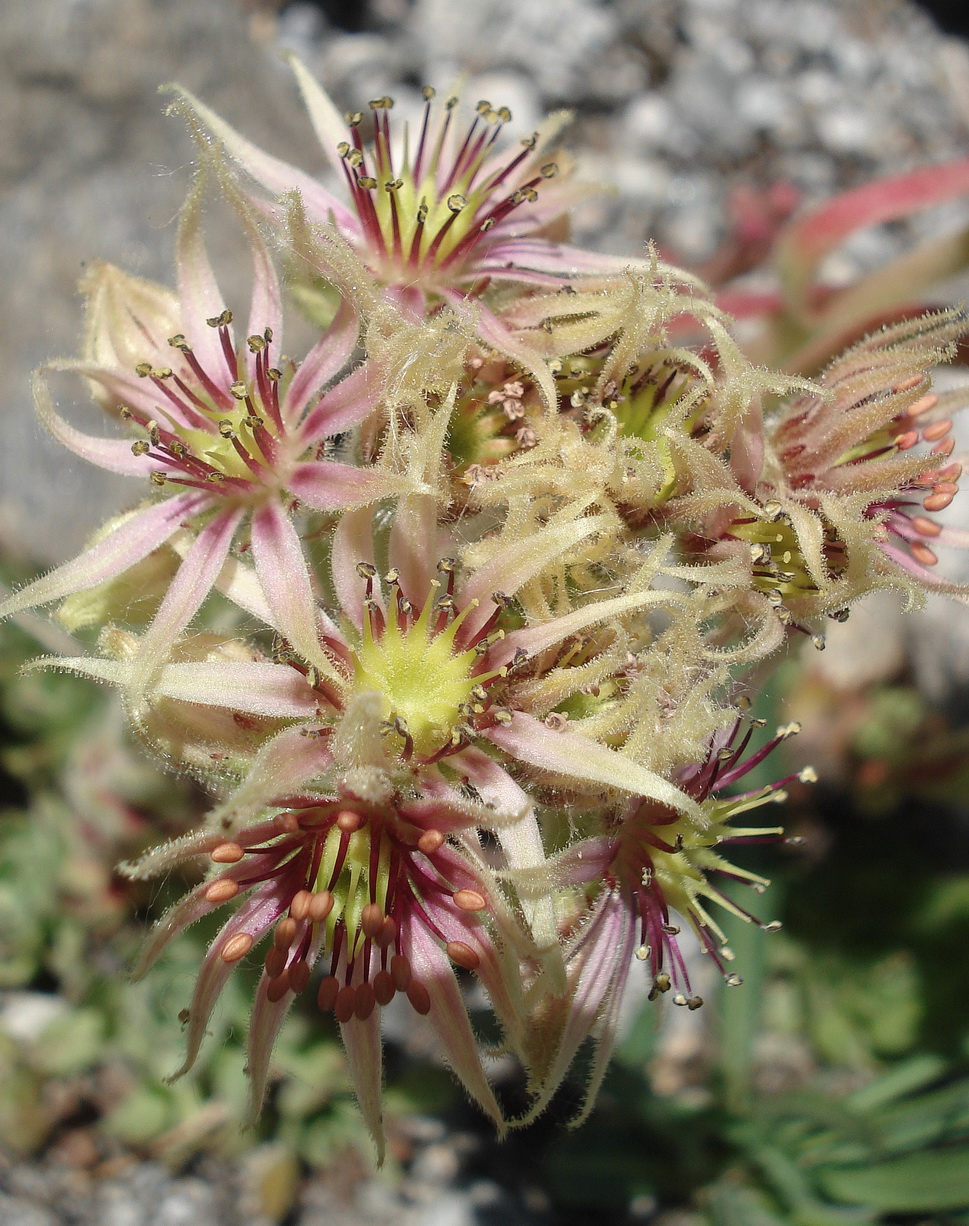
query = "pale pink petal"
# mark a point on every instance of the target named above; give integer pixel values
(131, 541)
(259, 688)
(198, 290)
(579, 757)
(326, 485)
(113, 454)
(323, 362)
(274, 174)
(285, 579)
(365, 1058)
(190, 586)
(449, 1017)
(289, 761)
(352, 545)
(413, 548)
(328, 124)
(344, 406)
(255, 916)
(520, 837)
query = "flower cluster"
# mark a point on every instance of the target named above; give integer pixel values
(456, 612)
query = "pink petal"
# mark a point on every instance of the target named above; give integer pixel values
(285, 579)
(192, 583)
(130, 542)
(274, 174)
(365, 1058)
(113, 454)
(352, 544)
(579, 757)
(413, 548)
(449, 1017)
(198, 290)
(285, 763)
(259, 688)
(326, 485)
(323, 362)
(343, 406)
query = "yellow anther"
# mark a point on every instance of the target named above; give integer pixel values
(456, 202)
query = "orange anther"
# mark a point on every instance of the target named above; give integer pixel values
(400, 971)
(469, 900)
(419, 997)
(923, 554)
(371, 919)
(907, 440)
(328, 992)
(237, 947)
(366, 999)
(348, 821)
(227, 853)
(926, 527)
(946, 447)
(299, 908)
(383, 987)
(299, 975)
(222, 890)
(346, 1003)
(321, 905)
(923, 405)
(276, 961)
(937, 502)
(462, 955)
(285, 933)
(430, 841)
(277, 988)
(938, 429)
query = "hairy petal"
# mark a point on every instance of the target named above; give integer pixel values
(131, 541)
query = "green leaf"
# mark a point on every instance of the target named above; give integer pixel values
(916, 1183)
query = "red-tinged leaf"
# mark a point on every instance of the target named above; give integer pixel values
(808, 240)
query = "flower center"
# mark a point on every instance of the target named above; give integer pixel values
(434, 208)
(429, 683)
(214, 427)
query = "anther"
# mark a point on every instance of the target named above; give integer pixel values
(365, 1002)
(285, 933)
(371, 919)
(430, 841)
(400, 972)
(299, 975)
(327, 994)
(140, 447)
(469, 900)
(346, 1002)
(226, 429)
(366, 571)
(299, 908)
(419, 997)
(383, 987)
(387, 934)
(276, 961)
(549, 170)
(937, 430)
(733, 981)
(694, 1003)
(428, 92)
(237, 947)
(368, 182)
(256, 343)
(143, 369)
(348, 821)
(239, 391)
(278, 987)
(179, 342)
(934, 502)
(807, 774)
(226, 853)
(220, 321)
(462, 955)
(456, 202)
(320, 906)
(222, 890)
(923, 554)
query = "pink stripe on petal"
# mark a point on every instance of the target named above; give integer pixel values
(326, 485)
(192, 583)
(323, 362)
(343, 406)
(413, 549)
(130, 542)
(285, 763)
(285, 579)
